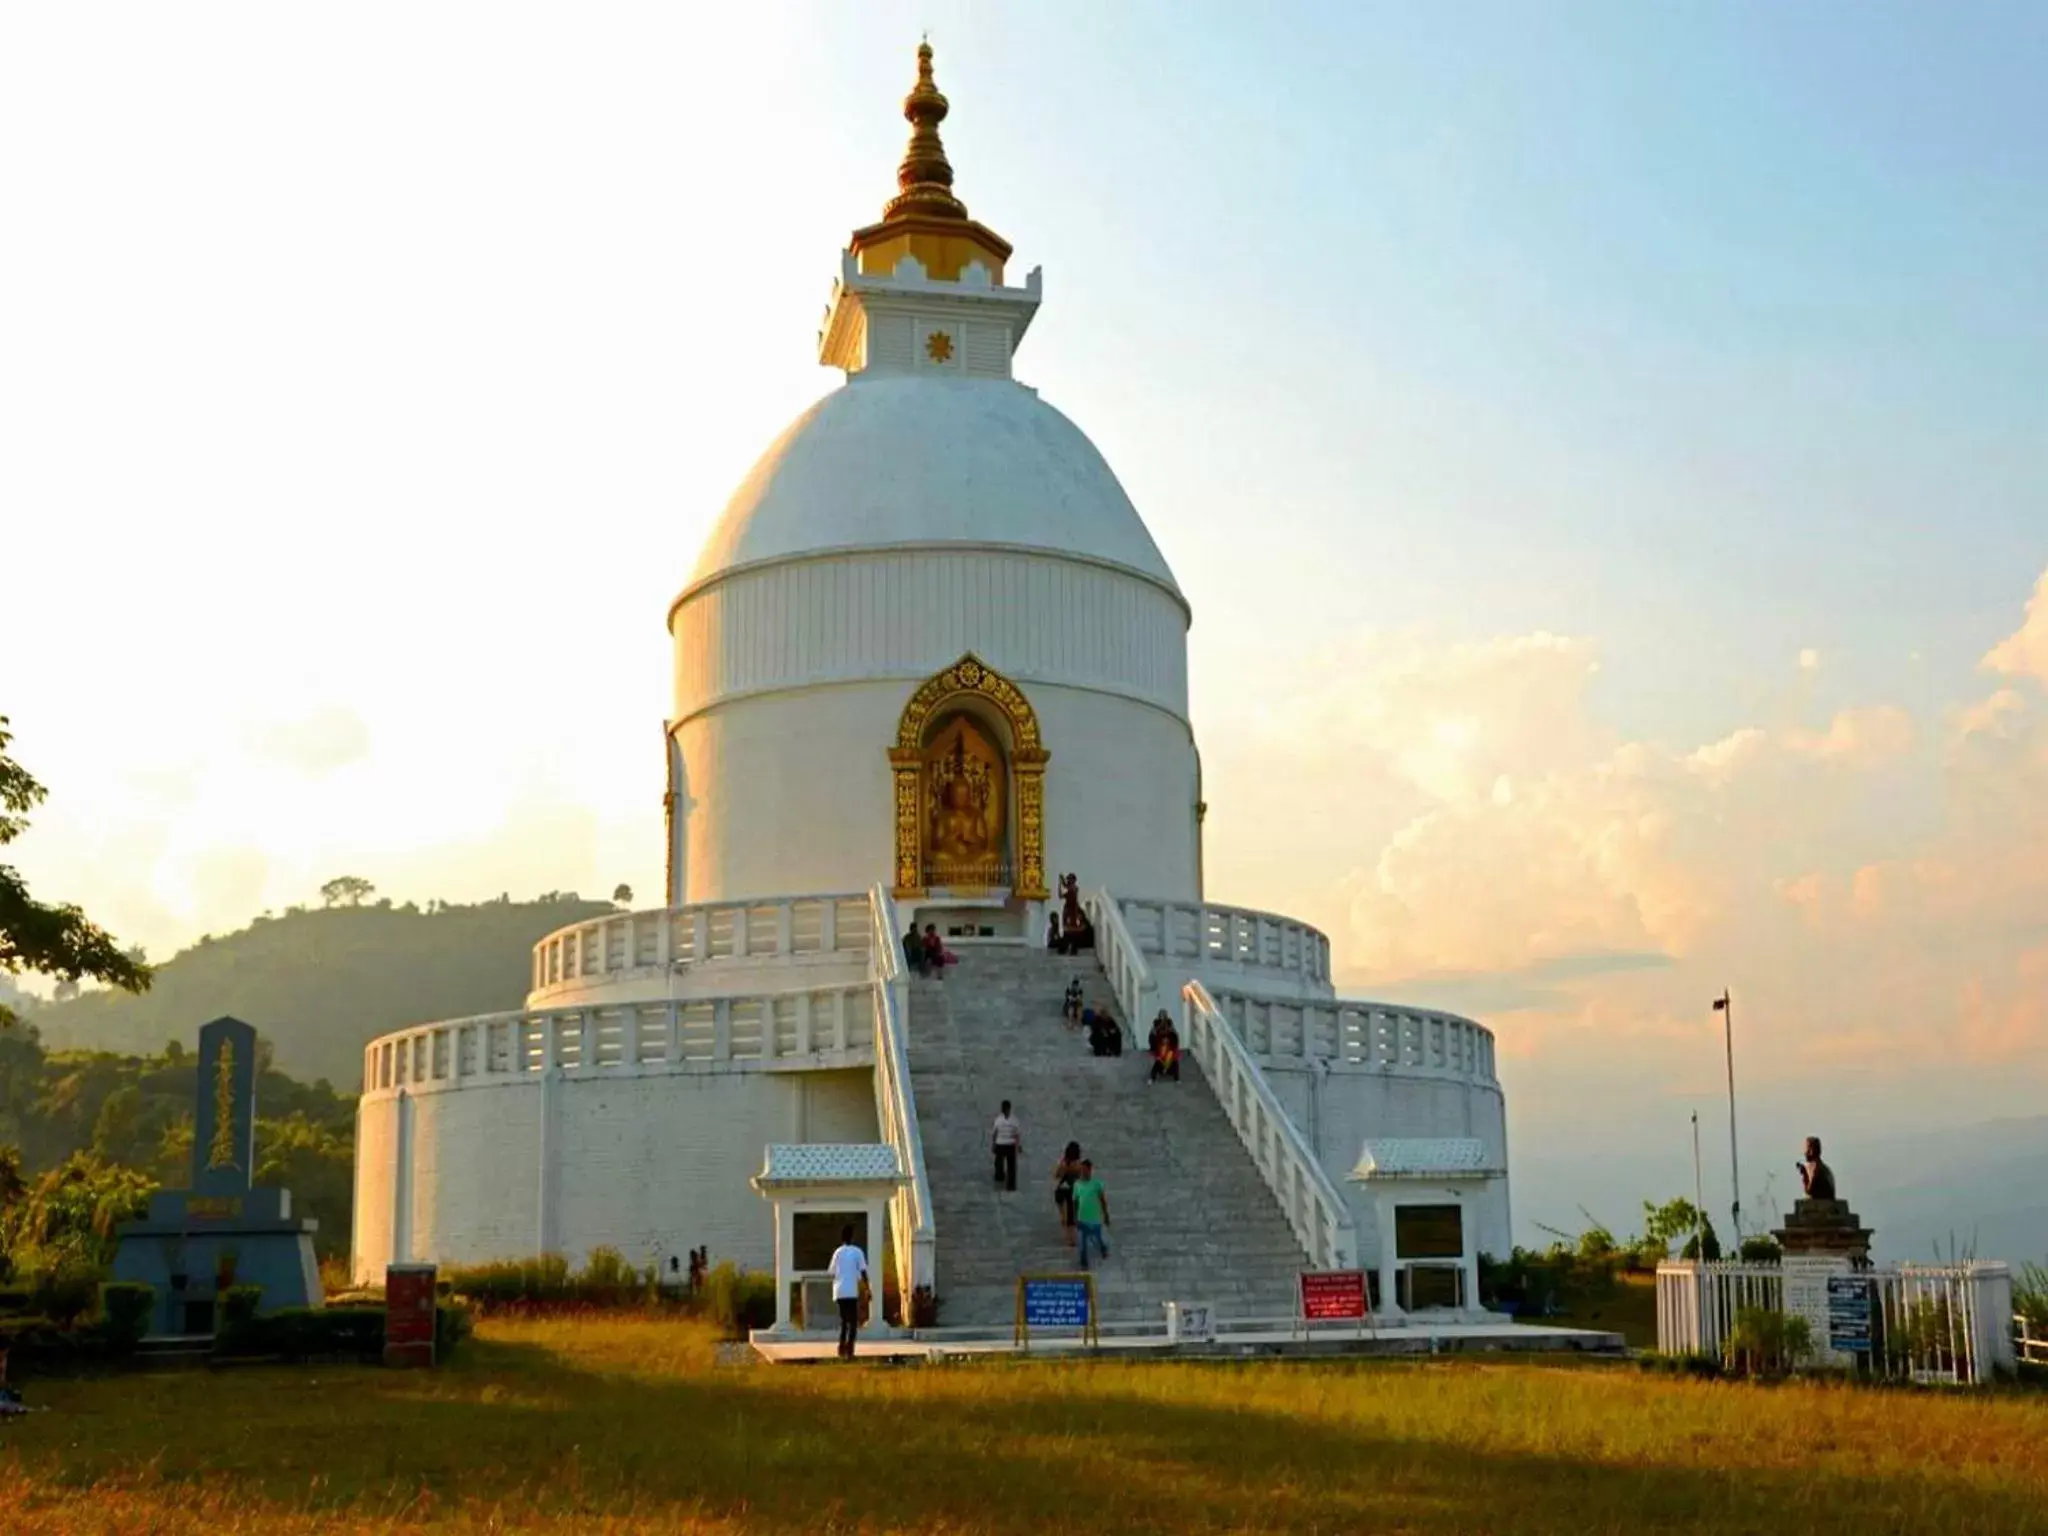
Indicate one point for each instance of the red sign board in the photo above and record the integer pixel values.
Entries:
(1333, 1295)
(409, 1314)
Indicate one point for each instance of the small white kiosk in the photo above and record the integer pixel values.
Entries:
(1423, 1190)
(816, 1189)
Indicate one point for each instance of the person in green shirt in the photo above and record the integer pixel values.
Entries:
(1091, 1211)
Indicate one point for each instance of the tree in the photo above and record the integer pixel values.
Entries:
(623, 895)
(347, 891)
(1675, 1219)
(59, 941)
(70, 1213)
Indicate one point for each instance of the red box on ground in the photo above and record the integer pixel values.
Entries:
(1333, 1295)
(409, 1314)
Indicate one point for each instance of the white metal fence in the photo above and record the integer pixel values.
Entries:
(2030, 1341)
(1928, 1322)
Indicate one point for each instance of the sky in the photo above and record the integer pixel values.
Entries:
(1605, 448)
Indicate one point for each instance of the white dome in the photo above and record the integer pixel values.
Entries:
(908, 460)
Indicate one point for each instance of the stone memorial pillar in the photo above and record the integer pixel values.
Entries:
(225, 1230)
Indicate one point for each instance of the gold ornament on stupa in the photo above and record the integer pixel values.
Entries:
(924, 219)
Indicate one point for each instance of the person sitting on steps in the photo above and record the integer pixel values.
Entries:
(1165, 1054)
(913, 949)
(936, 956)
(1105, 1035)
(1071, 1009)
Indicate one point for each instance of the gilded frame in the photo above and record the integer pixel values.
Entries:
(970, 676)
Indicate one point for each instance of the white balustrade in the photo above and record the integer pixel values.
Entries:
(1314, 1209)
(910, 1209)
(1121, 959)
(1212, 936)
(1378, 1037)
(826, 1027)
(624, 942)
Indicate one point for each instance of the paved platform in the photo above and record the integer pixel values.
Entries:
(1230, 1343)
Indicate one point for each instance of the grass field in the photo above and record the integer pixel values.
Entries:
(630, 1425)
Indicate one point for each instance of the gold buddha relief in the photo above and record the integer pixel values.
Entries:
(955, 785)
(965, 812)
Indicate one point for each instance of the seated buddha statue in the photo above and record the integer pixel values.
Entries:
(959, 826)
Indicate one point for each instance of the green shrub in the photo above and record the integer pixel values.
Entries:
(452, 1324)
(307, 1333)
(738, 1300)
(126, 1309)
(546, 1285)
(543, 1278)
(331, 1333)
(38, 1346)
(607, 1270)
(238, 1305)
(1761, 1250)
(1766, 1342)
(65, 1294)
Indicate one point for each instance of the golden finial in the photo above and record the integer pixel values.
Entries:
(925, 178)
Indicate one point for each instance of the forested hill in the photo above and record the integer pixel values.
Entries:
(319, 984)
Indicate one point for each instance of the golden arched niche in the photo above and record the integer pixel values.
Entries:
(969, 805)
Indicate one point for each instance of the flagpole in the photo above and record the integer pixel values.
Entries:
(1726, 1008)
(1699, 1196)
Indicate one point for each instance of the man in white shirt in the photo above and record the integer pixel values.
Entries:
(849, 1269)
(1006, 1140)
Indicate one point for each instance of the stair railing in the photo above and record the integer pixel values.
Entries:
(1311, 1203)
(910, 1208)
(1130, 978)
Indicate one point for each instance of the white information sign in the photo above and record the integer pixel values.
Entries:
(1806, 1295)
(1189, 1322)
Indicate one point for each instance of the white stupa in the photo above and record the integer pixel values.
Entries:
(928, 659)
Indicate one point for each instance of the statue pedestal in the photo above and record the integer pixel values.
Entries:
(1825, 1227)
(1825, 1244)
(1807, 1295)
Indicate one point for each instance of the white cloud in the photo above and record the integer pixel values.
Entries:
(2024, 653)
(315, 744)
(1865, 880)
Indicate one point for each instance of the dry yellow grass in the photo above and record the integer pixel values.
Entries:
(630, 1425)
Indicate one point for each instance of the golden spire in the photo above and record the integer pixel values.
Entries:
(924, 219)
(925, 178)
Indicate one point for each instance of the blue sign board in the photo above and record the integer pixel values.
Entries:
(1056, 1303)
(1849, 1314)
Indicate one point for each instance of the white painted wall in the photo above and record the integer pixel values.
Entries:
(1337, 1111)
(648, 1165)
(860, 616)
(792, 791)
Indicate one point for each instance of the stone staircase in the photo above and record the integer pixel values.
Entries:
(1190, 1217)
